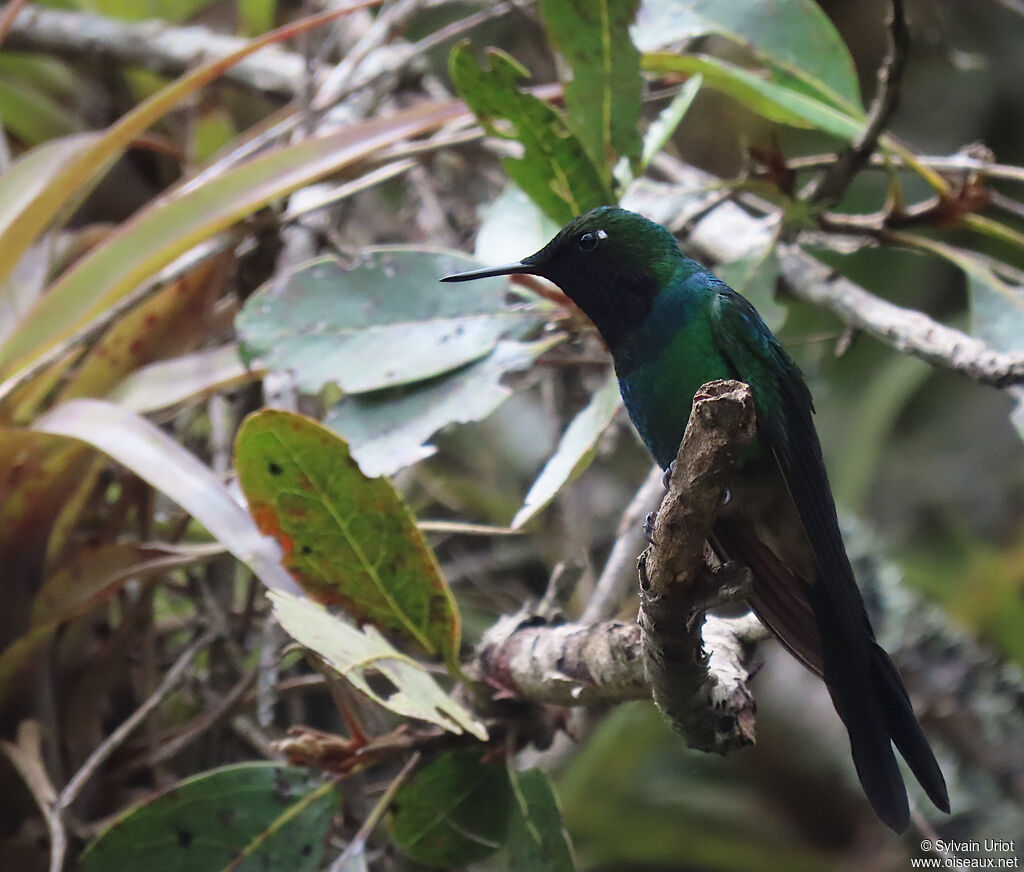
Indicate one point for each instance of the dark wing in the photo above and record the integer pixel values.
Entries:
(862, 681)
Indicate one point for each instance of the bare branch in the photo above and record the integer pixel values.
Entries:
(153, 45)
(704, 695)
(836, 180)
(906, 330)
(567, 665)
(713, 710)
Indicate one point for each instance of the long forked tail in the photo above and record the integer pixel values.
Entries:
(873, 704)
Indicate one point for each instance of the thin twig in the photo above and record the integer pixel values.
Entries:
(837, 179)
(358, 844)
(26, 755)
(958, 163)
(107, 747)
(906, 330)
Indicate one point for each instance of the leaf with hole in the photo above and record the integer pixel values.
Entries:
(347, 539)
(372, 665)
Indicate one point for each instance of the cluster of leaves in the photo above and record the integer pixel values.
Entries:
(129, 322)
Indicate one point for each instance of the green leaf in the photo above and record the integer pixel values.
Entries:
(157, 458)
(367, 660)
(174, 224)
(537, 840)
(388, 430)
(774, 101)
(665, 125)
(382, 322)
(755, 277)
(604, 96)
(453, 811)
(555, 169)
(32, 115)
(347, 539)
(792, 36)
(248, 817)
(575, 450)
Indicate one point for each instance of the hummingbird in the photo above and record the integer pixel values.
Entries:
(671, 326)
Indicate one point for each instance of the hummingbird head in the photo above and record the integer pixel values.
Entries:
(610, 262)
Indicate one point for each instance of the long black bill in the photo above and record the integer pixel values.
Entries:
(509, 269)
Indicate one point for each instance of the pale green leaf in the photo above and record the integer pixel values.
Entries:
(362, 656)
(575, 450)
(388, 430)
(382, 322)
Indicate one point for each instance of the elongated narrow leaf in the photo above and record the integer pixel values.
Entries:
(668, 120)
(604, 95)
(774, 101)
(367, 660)
(247, 817)
(97, 572)
(169, 322)
(794, 36)
(382, 322)
(173, 225)
(188, 378)
(388, 430)
(91, 156)
(537, 840)
(453, 811)
(575, 450)
(155, 457)
(555, 169)
(348, 539)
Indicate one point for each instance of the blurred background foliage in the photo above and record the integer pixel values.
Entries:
(157, 224)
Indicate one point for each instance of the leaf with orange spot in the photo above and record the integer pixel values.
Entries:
(348, 540)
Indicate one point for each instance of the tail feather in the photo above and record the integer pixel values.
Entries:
(875, 709)
(906, 731)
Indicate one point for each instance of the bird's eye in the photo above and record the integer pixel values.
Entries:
(588, 241)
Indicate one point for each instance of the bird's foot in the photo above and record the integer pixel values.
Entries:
(649, 527)
(667, 476)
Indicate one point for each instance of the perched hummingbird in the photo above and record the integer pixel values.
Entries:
(671, 326)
